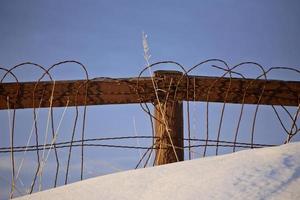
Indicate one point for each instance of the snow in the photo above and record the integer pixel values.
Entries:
(269, 173)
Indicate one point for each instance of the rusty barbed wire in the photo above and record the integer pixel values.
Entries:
(75, 142)
(12, 130)
(193, 144)
(47, 72)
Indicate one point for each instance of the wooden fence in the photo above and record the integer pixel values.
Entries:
(166, 90)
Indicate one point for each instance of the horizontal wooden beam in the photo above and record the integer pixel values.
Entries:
(102, 91)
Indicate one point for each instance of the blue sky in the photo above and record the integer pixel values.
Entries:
(106, 36)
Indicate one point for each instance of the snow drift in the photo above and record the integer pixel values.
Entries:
(269, 173)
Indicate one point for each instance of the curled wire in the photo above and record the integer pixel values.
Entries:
(170, 94)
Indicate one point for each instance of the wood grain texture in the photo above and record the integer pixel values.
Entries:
(168, 121)
(138, 90)
(169, 132)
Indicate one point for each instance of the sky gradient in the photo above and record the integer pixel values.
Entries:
(106, 36)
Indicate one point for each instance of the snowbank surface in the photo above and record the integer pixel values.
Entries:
(269, 173)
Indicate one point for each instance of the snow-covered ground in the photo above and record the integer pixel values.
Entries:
(269, 173)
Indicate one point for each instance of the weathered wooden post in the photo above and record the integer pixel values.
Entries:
(169, 120)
